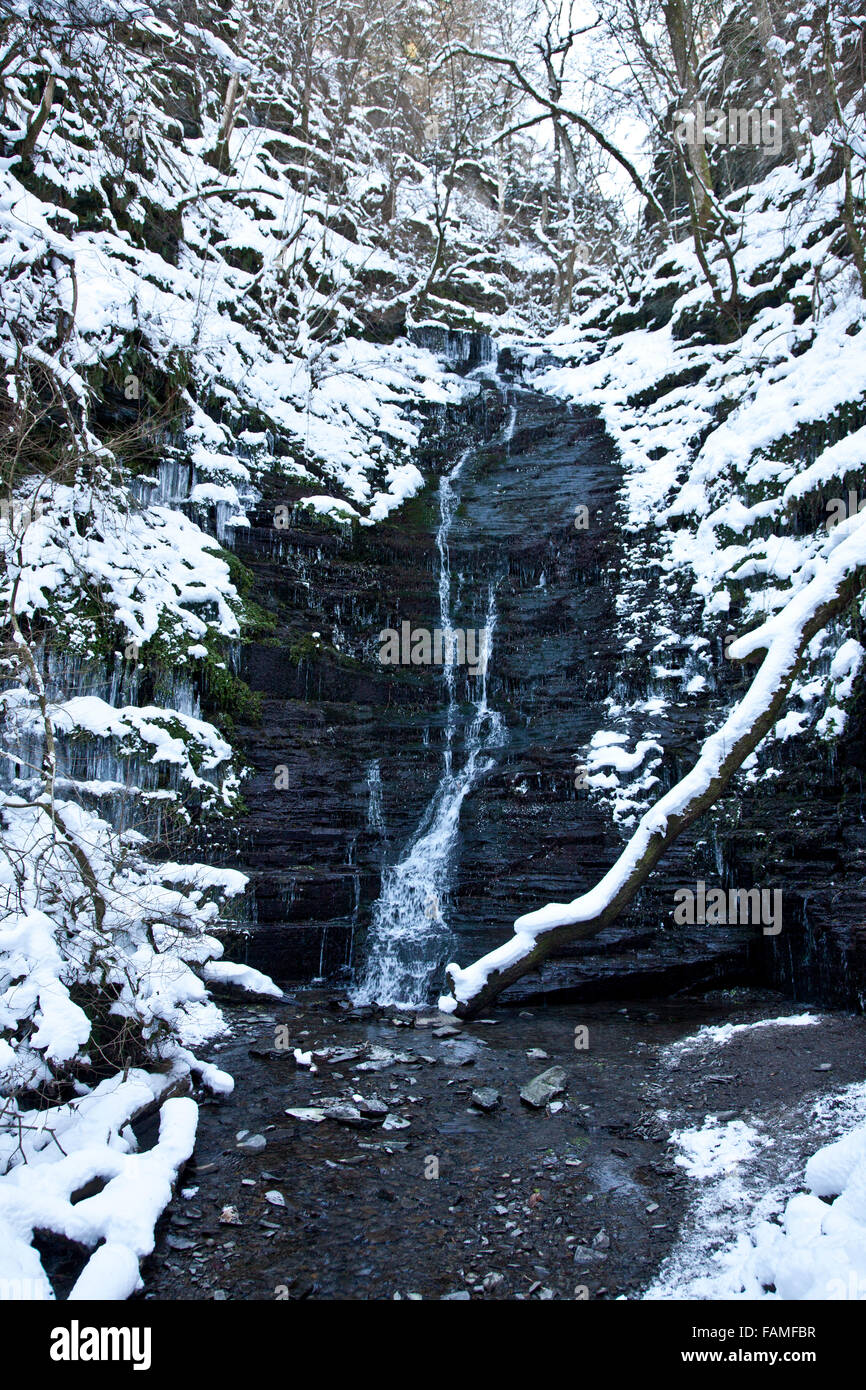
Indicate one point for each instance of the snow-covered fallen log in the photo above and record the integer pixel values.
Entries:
(83, 1179)
(781, 642)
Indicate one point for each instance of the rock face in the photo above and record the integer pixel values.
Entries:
(348, 752)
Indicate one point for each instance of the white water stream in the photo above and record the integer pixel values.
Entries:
(409, 940)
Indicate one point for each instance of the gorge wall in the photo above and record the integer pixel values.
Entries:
(347, 753)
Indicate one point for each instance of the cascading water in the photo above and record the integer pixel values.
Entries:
(409, 939)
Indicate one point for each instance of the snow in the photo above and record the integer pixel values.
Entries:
(753, 1239)
(96, 1143)
(770, 1216)
(718, 1034)
(714, 1148)
(226, 972)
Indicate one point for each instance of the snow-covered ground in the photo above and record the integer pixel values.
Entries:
(779, 1203)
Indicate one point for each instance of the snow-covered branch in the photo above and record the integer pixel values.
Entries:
(782, 640)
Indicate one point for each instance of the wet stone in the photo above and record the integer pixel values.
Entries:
(485, 1098)
(252, 1145)
(350, 1115)
(543, 1088)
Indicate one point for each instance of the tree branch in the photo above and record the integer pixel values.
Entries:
(563, 112)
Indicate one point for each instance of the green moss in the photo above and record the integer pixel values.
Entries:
(226, 698)
(305, 649)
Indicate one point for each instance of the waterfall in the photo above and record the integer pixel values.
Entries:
(409, 940)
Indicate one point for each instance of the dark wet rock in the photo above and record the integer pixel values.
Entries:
(543, 1088)
(374, 1108)
(485, 1098)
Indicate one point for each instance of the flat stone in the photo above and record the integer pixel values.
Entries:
(485, 1098)
(543, 1088)
(253, 1145)
(584, 1255)
(374, 1108)
(349, 1115)
(307, 1112)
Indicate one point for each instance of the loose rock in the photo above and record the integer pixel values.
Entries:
(543, 1088)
